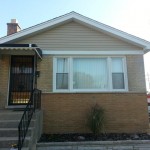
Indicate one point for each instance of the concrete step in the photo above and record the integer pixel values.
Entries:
(10, 115)
(9, 148)
(12, 132)
(9, 121)
(13, 123)
(6, 142)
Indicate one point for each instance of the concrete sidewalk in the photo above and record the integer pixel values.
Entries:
(96, 145)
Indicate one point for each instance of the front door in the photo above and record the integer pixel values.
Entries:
(21, 79)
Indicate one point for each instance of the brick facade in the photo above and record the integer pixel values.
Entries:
(136, 75)
(45, 81)
(66, 113)
(4, 79)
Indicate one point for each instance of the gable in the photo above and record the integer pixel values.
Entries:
(74, 36)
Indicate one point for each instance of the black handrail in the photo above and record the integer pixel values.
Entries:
(33, 104)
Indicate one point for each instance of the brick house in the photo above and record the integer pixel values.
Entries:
(76, 62)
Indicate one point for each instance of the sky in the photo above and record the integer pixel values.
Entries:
(131, 16)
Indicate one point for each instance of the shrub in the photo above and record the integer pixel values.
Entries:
(96, 119)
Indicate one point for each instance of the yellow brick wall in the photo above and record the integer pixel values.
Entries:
(45, 81)
(66, 113)
(4, 79)
(136, 73)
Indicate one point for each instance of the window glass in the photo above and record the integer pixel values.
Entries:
(90, 73)
(117, 73)
(118, 80)
(62, 65)
(62, 73)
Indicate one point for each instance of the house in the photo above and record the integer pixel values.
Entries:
(76, 62)
(148, 101)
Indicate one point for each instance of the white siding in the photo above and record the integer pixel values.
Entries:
(73, 36)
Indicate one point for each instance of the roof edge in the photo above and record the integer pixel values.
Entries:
(85, 20)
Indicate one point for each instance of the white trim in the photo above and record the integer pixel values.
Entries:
(125, 73)
(109, 72)
(54, 72)
(70, 73)
(70, 78)
(83, 20)
(123, 52)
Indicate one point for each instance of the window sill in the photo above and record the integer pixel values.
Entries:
(69, 92)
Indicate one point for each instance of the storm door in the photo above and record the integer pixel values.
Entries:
(21, 79)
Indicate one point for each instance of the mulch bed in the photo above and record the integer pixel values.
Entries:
(91, 137)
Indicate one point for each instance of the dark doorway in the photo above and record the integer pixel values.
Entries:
(21, 79)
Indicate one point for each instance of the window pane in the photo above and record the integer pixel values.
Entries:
(117, 73)
(62, 73)
(90, 73)
(62, 65)
(117, 65)
(118, 80)
(62, 81)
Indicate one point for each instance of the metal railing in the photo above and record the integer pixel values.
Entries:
(33, 104)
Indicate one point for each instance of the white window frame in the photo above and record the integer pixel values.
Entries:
(70, 75)
(124, 72)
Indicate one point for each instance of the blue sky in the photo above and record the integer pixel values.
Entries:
(122, 14)
(132, 16)
(31, 12)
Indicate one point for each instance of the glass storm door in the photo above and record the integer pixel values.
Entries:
(21, 79)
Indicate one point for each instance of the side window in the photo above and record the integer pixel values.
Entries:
(117, 73)
(62, 73)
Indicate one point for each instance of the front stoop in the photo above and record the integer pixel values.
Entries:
(97, 145)
(9, 121)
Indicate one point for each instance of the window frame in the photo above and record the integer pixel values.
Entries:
(124, 73)
(68, 72)
(70, 75)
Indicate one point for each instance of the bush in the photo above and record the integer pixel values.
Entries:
(96, 119)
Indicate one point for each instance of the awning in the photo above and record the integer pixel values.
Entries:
(18, 47)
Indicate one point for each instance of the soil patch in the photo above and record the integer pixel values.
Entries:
(90, 137)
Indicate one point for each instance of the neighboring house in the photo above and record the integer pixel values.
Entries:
(77, 62)
(148, 101)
